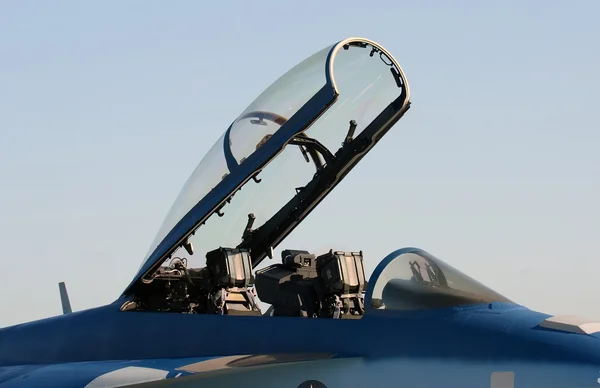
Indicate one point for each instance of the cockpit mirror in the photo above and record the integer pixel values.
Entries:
(259, 121)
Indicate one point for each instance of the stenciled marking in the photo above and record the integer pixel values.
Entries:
(502, 379)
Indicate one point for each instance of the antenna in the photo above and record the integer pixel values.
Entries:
(64, 298)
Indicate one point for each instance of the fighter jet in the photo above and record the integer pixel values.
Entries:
(194, 316)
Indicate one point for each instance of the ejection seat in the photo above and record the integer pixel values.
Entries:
(232, 273)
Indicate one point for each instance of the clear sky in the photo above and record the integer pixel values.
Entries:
(107, 107)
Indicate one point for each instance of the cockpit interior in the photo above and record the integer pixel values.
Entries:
(273, 165)
(331, 285)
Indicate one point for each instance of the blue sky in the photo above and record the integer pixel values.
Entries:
(106, 108)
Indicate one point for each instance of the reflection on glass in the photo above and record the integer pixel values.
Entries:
(419, 281)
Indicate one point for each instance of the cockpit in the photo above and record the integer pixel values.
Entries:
(330, 285)
(272, 166)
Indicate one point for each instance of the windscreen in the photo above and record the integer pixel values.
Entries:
(418, 281)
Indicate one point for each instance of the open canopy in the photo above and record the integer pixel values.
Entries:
(282, 155)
